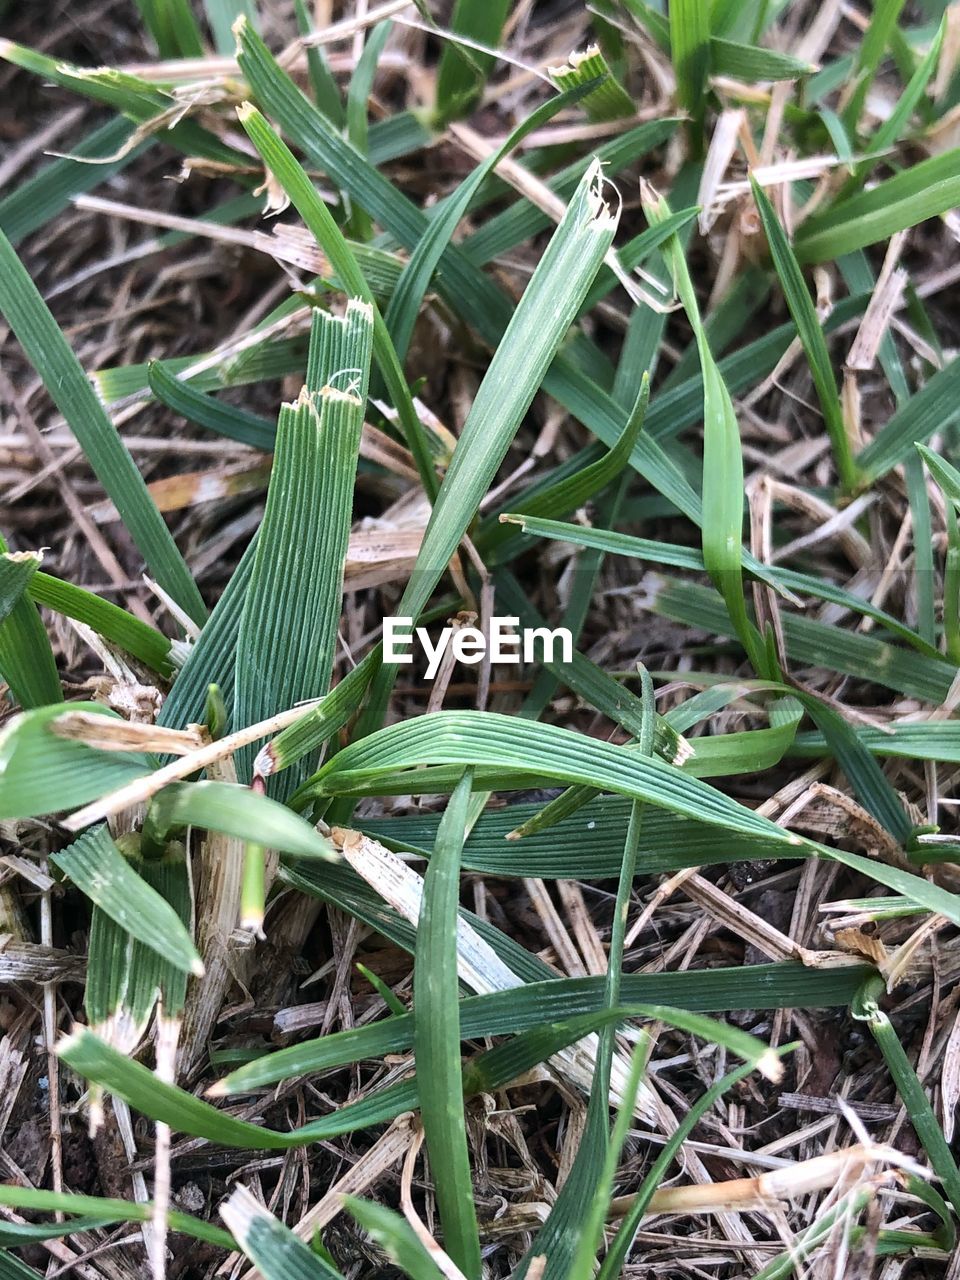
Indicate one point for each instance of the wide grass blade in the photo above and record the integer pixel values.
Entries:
(464, 69)
(27, 663)
(276, 1253)
(288, 631)
(97, 867)
(39, 769)
(236, 811)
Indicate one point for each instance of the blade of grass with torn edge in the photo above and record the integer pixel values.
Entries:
(283, 165)
(97, 867)
(288, 631)
(437, 1037)
(811, 336)
(471, 294)
(54, 360)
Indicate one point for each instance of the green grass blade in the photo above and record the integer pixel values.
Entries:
(690, 53)
(27, 663)
(173, 26)
(722, 461)
(97, 867)
(395, 1237)
(55, 362)
(281, 162)
(811, 336)
(236, 811)
(38, 767)
(463, 70)
(925, 190)
(107, 619)
(276, 1253)
(209, 412)
(31, 1199)
(750, 63)
(883, 23)
(437, 1038)
(929, 410)
(910, 1089)
(32, 204)
(607, 99)
(408, 296)
(544, 313)
(288, 633)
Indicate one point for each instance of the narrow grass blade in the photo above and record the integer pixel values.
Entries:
(310, 733)
(207, 411)
(811, 336)
(722, 460)
(33, 1199)
(910, 1089)
(98, 868)
(469, 738)
(55, 362)
(925, 190)
(883, 23)
(506, 1012)
(108, 620)
(395, 1237)
(437, 1038)
(281, 162)
(27, 663)
(415, 279)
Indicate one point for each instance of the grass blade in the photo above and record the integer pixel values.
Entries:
(98, 868)
(437, 1037)
(811, 336)
(288, 631)
(55, 362)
